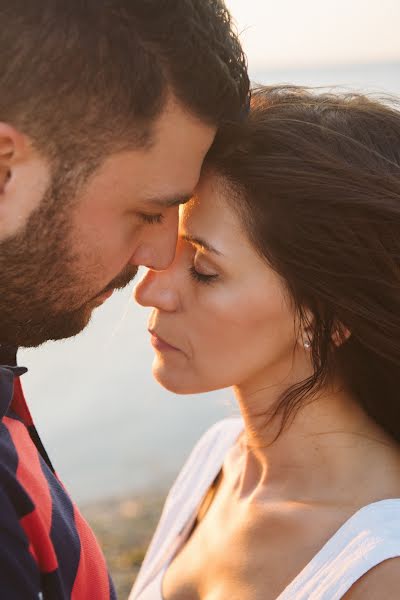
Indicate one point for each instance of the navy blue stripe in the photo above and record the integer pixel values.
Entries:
(6, 389)
(11, 414)
(113, 595)
(63, 533)
(8, 452)
(51, 586)
(19, 575)
(9, 459)
(7, 374)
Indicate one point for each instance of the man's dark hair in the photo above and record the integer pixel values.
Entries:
(82, 77)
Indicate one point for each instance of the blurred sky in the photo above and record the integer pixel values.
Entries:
(289, 33)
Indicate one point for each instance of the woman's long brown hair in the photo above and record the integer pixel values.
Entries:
(316, 181)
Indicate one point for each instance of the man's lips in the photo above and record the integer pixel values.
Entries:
(159, 343)
(118, 283)
(101, 298)
(106, 295)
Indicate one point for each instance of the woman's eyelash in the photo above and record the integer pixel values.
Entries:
(200, 276)
(152, 219)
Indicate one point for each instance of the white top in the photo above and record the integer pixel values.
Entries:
(369, 537)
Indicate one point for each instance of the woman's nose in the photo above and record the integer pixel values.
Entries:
(156, 289)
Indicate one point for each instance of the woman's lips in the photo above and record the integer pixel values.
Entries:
(160, 344)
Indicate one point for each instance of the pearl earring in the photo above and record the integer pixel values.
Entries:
(307, 344)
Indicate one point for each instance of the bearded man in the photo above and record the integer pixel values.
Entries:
(107, 109)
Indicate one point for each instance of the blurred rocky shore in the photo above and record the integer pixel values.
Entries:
(124, 527)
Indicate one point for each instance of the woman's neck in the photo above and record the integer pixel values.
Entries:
(324, 446)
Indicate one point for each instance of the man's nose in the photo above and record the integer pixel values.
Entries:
(157, 249)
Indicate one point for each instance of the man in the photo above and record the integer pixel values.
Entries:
(107, 109)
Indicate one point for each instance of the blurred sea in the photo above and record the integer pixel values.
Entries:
(108, 427)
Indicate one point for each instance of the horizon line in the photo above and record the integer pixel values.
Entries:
(321, 65)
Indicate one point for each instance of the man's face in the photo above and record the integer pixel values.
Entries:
(62, 251)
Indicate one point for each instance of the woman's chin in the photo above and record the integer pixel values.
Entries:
(179, 383)
(171, 384)
(174, 381)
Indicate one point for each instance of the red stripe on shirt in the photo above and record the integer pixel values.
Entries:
(19, 405)
(87, 578)
(37, 524)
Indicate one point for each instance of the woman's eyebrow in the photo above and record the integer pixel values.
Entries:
(196, 241)
(170, 201)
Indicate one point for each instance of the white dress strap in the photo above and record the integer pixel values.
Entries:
(369, 537)
(184, 499)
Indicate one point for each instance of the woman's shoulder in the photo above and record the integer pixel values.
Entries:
(382, 581)
(360, 561)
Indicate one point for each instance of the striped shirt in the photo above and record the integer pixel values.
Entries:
(47, 550)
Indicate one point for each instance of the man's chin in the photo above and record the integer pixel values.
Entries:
(59, 327)
(62, 325)
(40, 325)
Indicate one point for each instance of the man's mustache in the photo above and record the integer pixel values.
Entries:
(122, 280)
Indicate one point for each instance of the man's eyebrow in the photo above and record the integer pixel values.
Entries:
(170, 201)
(196, 241)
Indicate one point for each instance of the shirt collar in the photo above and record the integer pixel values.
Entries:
(8, 371)
(8, 355)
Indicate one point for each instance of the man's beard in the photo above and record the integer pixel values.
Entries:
(44, 292)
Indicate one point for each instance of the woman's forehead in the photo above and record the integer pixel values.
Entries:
(209, 210)
(210, 218)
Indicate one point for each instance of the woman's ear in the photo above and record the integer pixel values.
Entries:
(307, 329)
(340, 334)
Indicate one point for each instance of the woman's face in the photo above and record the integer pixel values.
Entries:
(221, 315)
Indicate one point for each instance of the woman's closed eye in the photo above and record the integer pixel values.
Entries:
(202, 277)
(201, 273)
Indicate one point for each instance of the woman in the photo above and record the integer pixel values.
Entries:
(286, 286)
